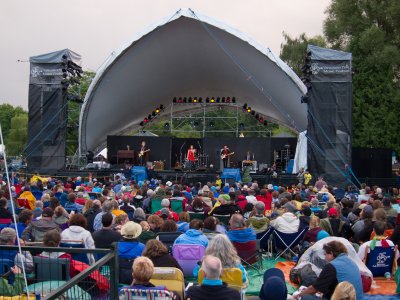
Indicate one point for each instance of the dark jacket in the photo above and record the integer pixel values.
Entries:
(227, 209)
(211, 292)
(165, 260)
(37, 229)
(90, 214)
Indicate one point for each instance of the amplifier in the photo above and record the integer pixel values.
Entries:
(159, 166)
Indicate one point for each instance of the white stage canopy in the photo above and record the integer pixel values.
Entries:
(187, 55)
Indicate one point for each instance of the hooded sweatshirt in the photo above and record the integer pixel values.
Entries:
(192, 237)
(78, 233)
(287, 223)
(37, 229)
(241, 235)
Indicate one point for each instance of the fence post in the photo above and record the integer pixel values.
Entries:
(114, 272)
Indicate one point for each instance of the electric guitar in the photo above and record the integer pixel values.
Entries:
(141, 153)
(223, 156)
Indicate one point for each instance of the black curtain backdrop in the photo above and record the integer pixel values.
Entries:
(372, 163)
(169, 149)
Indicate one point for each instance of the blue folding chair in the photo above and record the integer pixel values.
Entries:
(76, 256)
(380, 260)
(37, 194)
(285, 242)
(264, 237)
(5, 269)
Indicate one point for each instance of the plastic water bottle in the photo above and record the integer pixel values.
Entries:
(388, 275)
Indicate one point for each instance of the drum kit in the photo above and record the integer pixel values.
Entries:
(201, 162)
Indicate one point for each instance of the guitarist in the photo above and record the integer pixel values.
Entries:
(225, 156)
(143, 154)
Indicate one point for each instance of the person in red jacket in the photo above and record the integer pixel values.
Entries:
(266, 198)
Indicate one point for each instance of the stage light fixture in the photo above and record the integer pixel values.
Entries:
(64, 56)
(161, 106)
(305, 98)
(241, 126)
(257, 116)
(195, 123)
(207, 100)
(223, 99)
(149, 117)
(253, 112)
(245, 106)
(228, 100)
(145, 120)
(212, 100)
(180, 100)
(248, 109)
(141, 123)
(265, 122)
(218, 99)
(200, 100)
(190, 100)
(184, 99)
(157, 110)
(174, 100)
(233, 100)
(166, 125)
(261, 119)
(211, 124)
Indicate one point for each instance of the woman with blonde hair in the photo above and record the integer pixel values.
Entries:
(344, 291)
(88, 204)
(313, 230)
(220, 246)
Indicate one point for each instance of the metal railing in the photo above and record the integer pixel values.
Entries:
(98, 280)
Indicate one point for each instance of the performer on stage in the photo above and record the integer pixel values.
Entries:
(225, 156)
(143, 154)
(191, 157)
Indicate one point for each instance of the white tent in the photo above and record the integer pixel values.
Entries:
(187, 54)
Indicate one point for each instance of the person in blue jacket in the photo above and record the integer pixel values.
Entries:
(238, 231)
(194, 236)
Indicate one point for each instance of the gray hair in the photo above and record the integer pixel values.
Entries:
(237, 221)
(107, 206)
(260, 207)
(139, 214)
(7, 236)
(165, 202)
(221, 247)
(212, 267)
(39, 204)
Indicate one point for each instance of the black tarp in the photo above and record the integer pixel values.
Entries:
(329, 114)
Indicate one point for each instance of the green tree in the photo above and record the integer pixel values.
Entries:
(17, 135)
(293, 50)
(76, 92)
(7, 113)
(370, 29)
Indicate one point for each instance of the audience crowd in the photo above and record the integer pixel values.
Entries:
(100, 212)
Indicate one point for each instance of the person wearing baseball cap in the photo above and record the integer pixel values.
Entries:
(333, 224)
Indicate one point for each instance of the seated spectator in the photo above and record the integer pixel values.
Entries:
(88, 204)
(288, 222)
(106, 207)
(17, 288)
(183, 223)
(119, 222)
(274, 285)
(126, 206)
(210, 227)
(165, 209)
(194, 235)
(37, 228)
(128, 249)
(314, 228)
(333, 225)
(314, 207)
(142, 270)
(155, 223)
(91, 213)
(338, 269)
(198, 206)
(52, 238)
(5, 215)
(241, 201)
(379, 240)
(24, 218)
(169, 226)
(391, 213)
(116, 211)
(158, 253)
(61, 217)
(225, 207)
(80, 199)
(266, 198)
(258, 221)
(104, 237)
(362, 229)
(344, 291)
(305, 217)
(27, 194)
(77, 232)
(238, 231)
(37, 212)
(71, 205)
(212, 286)
(146, 234)
(248, 211)
(8, 237)
(139, 215)
(222, 248)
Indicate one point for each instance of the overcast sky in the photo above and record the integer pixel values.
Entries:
(94, 28)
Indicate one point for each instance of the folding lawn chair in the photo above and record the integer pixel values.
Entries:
(285, 242)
